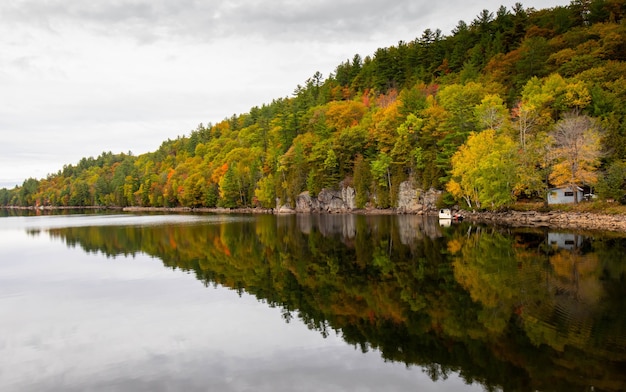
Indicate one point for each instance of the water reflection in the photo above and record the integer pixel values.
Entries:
(511, 309)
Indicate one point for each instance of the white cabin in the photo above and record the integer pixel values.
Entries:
(563, 195)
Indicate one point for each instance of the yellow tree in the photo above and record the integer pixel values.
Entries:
(525, 121)
(491, 112)
(484, 170)
(265, 191)
(344, 114)
(577, 152)
(385, 121)
(534, 142)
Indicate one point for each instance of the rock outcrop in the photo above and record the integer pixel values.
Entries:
(408, 198)
(411, 200)
(348, 195)
(328, 201)
(283, 208)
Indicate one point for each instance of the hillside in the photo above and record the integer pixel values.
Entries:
(510, 104)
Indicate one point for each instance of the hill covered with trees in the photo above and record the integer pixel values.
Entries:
(515, 102)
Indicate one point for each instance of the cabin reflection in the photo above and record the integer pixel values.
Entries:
(567, 241)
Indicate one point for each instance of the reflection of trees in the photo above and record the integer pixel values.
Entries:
(557, 295)
(582, 299)
(501, 277)
(478, 301)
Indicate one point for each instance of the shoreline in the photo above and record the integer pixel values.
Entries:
(221, 210)
(551, 219)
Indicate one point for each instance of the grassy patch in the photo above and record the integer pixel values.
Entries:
(597, 207)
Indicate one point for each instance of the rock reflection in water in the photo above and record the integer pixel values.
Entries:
(410, 227)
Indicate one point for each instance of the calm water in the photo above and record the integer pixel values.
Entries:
(306, 303)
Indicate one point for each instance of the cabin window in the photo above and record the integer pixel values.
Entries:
(569, 194)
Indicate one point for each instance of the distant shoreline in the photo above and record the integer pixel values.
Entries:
(56, 208)
(216, 210)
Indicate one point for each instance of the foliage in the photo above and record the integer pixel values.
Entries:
(484, 169)
(401, 113)
(613, 184)
(577, 152)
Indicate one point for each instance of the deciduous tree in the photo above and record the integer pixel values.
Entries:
(484, 169)
(577, 152)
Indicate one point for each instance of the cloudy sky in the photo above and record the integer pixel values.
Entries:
(81, 77)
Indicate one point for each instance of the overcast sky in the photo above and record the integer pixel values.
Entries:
(81, 77)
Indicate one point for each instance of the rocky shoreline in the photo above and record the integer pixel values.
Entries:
(552, 219)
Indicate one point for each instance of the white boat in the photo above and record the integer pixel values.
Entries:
(445, 213)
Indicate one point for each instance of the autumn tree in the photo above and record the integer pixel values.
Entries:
(460, 102)
(491, 113)
(525, 121)
(429, 136)
(404, 151)
(265, 191)
(577, 152)
(293, 169)
(362, 180)
(26, 194)
(533, 145)
(229, 189)
(381, 172)
(484, 170)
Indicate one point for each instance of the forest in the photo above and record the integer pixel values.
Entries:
(502, 109)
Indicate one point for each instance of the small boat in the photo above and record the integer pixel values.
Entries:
(446, 213)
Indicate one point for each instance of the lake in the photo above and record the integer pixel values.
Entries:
(155, 302)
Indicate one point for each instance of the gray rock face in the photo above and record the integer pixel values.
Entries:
(306, 203)
(429, 199)
(327, 201)
(348, 195)
(411, 200)
(408, 198)
(283, 208)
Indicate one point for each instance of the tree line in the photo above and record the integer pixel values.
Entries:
(505, 107)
